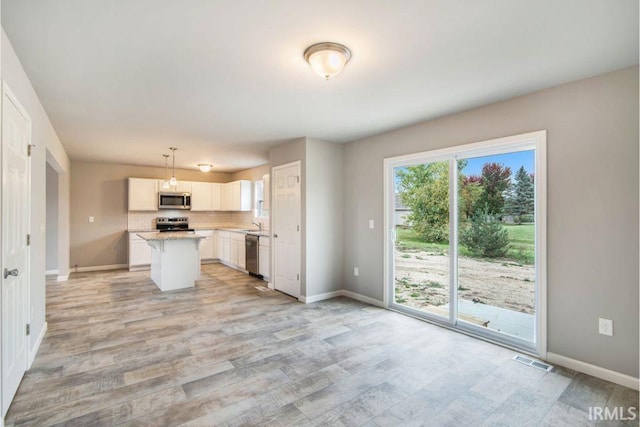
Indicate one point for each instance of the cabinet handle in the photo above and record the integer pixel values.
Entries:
(275, 236)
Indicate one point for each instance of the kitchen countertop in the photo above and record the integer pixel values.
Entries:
(234, 229)
(179, 235)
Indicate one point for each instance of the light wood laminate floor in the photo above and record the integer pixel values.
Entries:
(120, 352)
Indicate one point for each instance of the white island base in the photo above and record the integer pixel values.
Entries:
(175, 260)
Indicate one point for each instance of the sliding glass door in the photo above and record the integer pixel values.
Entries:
(466, 238)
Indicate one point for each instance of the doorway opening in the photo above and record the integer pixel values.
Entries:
(466, 239)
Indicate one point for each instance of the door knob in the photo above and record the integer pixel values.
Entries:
(275, 236)
(8, 273)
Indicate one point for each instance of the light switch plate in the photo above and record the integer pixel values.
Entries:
(371, 224)
(356, 272)
(605, 327)
(91, 219)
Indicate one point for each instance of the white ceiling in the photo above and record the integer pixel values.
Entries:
(225, 80)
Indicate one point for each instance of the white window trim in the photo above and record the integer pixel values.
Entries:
(533, 140)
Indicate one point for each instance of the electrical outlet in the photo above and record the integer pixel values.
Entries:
(356, 272)
(91, 219)
(605, 326)
(371, 224)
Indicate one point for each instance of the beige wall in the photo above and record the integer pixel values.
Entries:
(51, 252)
(324, 185)
(47, 145)
(592, 197)
(253, 174)
(101, 190)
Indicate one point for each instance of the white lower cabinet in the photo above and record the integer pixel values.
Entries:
(264, 257)
(231, 248)
(207, 245)
(139, 252)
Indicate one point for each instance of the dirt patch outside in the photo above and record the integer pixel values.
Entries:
(422, 280)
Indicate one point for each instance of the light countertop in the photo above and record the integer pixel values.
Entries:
(232, 228)
(177, 235)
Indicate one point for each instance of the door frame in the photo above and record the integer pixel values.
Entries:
(6, 91)
(272, 211)
(536, 140)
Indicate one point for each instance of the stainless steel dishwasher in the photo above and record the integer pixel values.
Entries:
(252, 247)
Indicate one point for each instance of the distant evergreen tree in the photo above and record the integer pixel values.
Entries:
(522, 200)
(485, 236)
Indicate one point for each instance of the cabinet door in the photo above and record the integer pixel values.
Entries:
(226, 197)
(214, 243)
(221, 254)
(216, 197)
(264, 260)
(226, 250)
(139, 252)
(242, 251)
(183, 187)
(246, 191)
(206, 244)
(234, 252)
(201, 196)
(235, 196)
(143, 194)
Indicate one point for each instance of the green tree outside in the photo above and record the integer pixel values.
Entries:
(424, 189)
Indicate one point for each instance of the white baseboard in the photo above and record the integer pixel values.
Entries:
(34, 351)
(320, 297)
(62, 278)
(99, 268)
(342, 293)
(270, 285)
(593, 370)
(362, 298)
(51, 272)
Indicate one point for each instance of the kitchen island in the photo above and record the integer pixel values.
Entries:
(175, 259)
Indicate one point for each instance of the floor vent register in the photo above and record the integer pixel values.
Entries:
(534, 363)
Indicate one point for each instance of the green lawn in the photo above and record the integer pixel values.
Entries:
(522, 238)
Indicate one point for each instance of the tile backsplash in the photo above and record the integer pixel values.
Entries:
(146, 220)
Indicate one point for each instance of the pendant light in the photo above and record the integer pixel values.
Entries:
(173, 181)
(205, 167)
(165, 183)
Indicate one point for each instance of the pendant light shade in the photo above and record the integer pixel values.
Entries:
(173, 181)
(204, 167)
(327, 59)
(165, 183)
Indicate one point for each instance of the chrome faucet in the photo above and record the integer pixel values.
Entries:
(258, 224)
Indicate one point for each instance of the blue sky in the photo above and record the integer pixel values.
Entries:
(512, 160)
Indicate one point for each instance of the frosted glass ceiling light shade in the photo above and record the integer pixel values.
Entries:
(327, 59)
(205, 167)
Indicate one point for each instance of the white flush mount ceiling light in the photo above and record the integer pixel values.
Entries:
(173, 181)
(165, 183)
(327, 59)
(204, 167)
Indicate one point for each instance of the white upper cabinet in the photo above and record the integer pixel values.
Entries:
(202, 196)
(182, 187)
(205, 196)
(143, 194)
(216, 196)
(225, 196)
(240, 195)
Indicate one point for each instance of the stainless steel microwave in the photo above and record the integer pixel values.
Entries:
(174, 201)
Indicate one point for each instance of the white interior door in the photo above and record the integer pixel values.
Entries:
(16, 135)
(286, 229)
